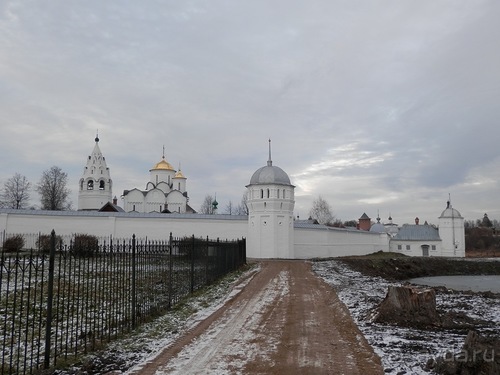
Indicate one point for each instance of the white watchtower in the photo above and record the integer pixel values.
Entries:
(270, 200)
(95, 188)
(452, 232)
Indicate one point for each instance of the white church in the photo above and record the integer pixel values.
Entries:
(270, 228)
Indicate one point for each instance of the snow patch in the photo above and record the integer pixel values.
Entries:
(404, 350)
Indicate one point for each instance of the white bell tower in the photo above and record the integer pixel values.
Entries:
(270, 200)
(95, 188)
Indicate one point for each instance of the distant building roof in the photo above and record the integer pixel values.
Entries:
(413, 232)
(111, 207)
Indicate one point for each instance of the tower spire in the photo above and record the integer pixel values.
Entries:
(163, 154)
(269, 161)
(97, 135)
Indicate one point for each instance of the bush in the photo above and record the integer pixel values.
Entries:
(43, 243)
(13, 244)
(85, 245)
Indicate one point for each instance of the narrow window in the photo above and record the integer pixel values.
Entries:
(179, 186)
(90, 185)
(284, 194)
(278, 193)
(262, 193)
(268, 193)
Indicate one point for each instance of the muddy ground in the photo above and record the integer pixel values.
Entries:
(394, 266)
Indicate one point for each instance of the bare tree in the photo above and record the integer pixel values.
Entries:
(207, 205)
(53, 191)
(242, 208)
(321, 211)
(15, 192)
(230, 208)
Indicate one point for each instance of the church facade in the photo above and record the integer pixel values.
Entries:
(165, 192)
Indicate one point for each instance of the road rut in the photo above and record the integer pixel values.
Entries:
(285, 320)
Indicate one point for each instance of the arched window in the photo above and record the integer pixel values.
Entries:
(262, 193)
(278, 193)
(268, 193)
(283, 193)
(101, 185)
(81, 184)
(90, 185)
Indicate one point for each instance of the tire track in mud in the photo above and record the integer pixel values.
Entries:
(285, 320)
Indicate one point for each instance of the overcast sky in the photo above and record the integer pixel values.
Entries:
(377, 106)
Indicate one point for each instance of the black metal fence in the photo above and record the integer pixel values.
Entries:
(64, 296)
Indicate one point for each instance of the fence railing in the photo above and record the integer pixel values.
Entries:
(64, 296)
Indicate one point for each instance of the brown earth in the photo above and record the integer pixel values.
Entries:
(395, 266)
(285, 320)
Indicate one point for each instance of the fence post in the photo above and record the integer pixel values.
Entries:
(170, 266)
(134, 296)
(50, 297)
(192, 264)
(208, 279)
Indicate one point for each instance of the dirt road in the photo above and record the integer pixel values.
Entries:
(284, 321)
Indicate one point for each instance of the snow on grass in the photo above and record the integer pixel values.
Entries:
(143, 345)
(404, 350)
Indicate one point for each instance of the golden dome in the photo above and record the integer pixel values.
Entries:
(164, 165)
(179, 174)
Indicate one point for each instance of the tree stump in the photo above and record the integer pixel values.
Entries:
(409, 307)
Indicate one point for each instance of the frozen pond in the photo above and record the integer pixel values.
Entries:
(477, 283)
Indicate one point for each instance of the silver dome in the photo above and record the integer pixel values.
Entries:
(270, 175)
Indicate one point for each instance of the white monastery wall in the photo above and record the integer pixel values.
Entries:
(308, 243)
(123, 225)
(334, 242)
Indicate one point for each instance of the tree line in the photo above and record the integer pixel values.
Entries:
(52, 188)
